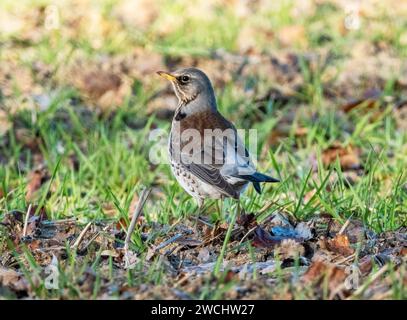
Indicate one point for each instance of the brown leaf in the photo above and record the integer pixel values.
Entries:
(109, 253)
(35, 180)
(249, 37)
(230, 276)
(308, 196)
(301, 131)
(103, 88)
(28, 139)
(320, 269)
(139, 14)
(366, 265)
(292, 35)
(369, 101)
(121, 224)
(355, 231)
(340, 244)
(109, 210)
(348, 156)
(14, 280)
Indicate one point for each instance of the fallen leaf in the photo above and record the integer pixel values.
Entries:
(28, 139)
(355, 231)
(348, 156)
(340, 244)
(35, 180)
(230, 276)
(366, 265)
(319, 270)
(308, 196)
(104, 88)
(368, 101)
(109, 253)
(301, 131)
(139, 14)
(292, 35)
(204, 255)
(12, 279)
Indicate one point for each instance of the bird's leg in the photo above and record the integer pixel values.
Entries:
(201, 209)
(219, 207)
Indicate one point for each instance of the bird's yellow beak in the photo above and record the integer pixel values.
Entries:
(166, 75)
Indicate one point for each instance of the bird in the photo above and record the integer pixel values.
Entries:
(207, 156)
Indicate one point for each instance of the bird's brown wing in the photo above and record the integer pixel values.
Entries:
(212, 176)
(197, 164)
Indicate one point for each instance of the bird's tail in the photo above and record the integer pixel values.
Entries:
(256, 178)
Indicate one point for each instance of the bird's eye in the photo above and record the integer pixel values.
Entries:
(184, 79)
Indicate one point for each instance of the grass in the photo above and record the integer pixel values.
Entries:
(97, 163)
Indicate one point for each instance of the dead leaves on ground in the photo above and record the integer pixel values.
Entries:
(348, 156)
(36, 179)
(340, 244)
(320, 272)
(324, 249)
(103, 88)
(13, 280)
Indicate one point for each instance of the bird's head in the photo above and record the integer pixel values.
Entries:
(192, 87)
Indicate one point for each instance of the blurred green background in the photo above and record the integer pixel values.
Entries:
(324, 83)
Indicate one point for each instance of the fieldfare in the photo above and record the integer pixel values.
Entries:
(208, 158)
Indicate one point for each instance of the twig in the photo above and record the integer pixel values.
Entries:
(246, 235)
(183, 279)
(143, 197)
(57, 222)
(345, 225)
(346, 259)
(369, 281)
(168, 242)
(81, 235)
(163, 245)
(95, 236)
(205, 222)
(26, 220)
(266, 207)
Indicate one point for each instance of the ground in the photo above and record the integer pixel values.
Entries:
(323, 83)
